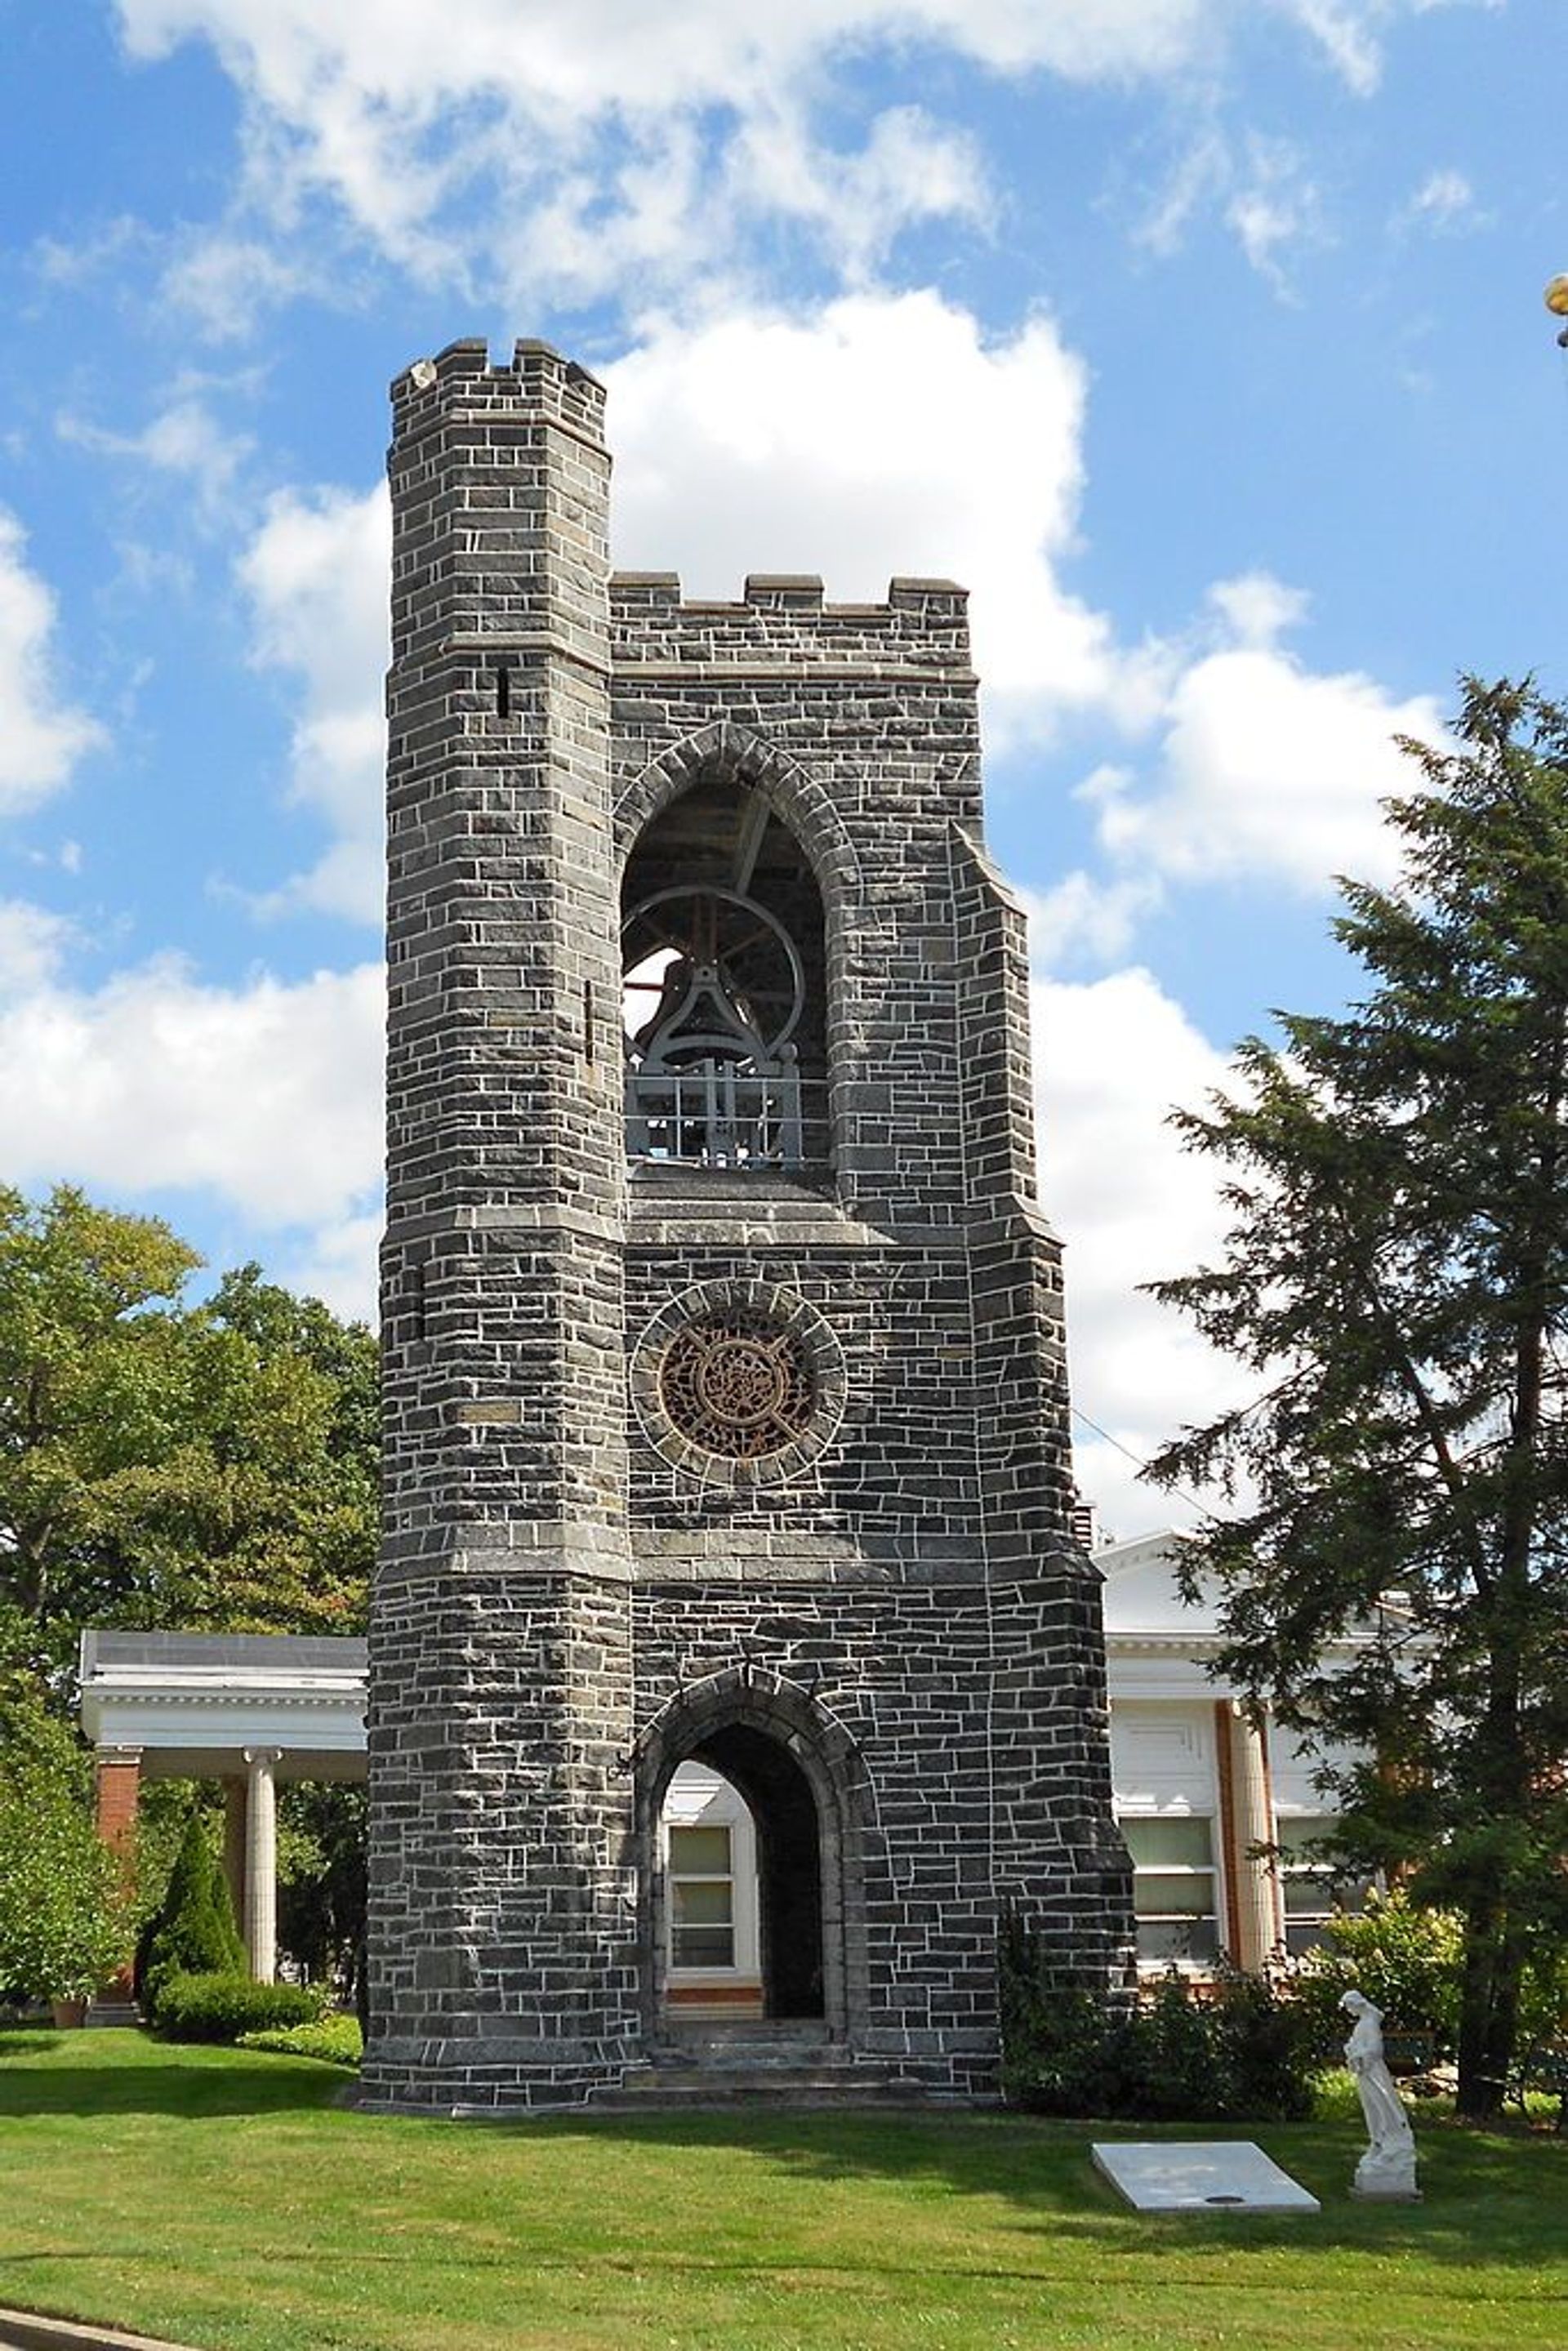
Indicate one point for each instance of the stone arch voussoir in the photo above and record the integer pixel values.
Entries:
(766, 1701)
(829, 1759)
(735, 754)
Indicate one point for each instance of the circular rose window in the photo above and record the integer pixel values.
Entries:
(737, 1385)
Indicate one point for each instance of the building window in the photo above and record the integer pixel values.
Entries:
(702, 1898)
(1314, 1890)
(1174, 1890)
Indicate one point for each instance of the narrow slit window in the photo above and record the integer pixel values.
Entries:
(502, 692)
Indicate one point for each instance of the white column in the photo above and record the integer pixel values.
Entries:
(261, 1862)
(1255, 1880)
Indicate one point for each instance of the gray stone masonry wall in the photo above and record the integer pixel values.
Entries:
(568, 1601)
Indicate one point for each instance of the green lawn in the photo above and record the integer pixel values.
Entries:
(218, 2197)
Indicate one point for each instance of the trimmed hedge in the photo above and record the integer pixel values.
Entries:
(335, 2040)
(222, 2007)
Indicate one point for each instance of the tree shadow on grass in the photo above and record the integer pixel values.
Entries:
(1486, 2198)
(1490, 2199)
(155, 2078)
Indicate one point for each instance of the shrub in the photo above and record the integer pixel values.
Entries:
(1243, 2051)
(220, 2006)
(1408, 1962)
(337, 2041)
(64, 1923)
(193, 1932)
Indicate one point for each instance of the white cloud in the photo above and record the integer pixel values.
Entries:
(1347, 31)
(1256, 608)
(1445, 202)
(1273, 207)
(1198, 177)
(1082, 919)
(341, 1262)
(226, 281)
(32, 943)
(1111, 1059)
(883, 436)
(910, 169)
(1268, 771)
(1259, 188)
(110, 247)
(185, 440)
(316, 575)
(42, 736)
(267, 1095)
(576, 145)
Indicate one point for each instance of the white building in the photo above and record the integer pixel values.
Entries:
(1199, 1785)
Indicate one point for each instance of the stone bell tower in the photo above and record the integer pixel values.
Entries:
(727, 1418)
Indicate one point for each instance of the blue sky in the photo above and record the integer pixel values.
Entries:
(1203, 339)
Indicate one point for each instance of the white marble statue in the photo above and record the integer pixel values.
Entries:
(1388, 2167)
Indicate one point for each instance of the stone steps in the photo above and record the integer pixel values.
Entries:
(849, 2092)
(759, 2066)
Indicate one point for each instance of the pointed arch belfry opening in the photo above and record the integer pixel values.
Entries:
(728, 754)
(805, 1786)
(735, 871)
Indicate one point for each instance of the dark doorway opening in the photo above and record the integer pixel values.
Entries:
(789, 1865)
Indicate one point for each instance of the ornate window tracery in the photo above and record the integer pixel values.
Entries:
(738, 1384)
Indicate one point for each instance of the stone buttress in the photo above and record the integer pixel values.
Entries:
(726, 1414)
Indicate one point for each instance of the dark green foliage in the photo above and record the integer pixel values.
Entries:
(65, 1919)
(1408, 1962)
(220, 2006)
(194, 1933)
(1244, 2052)
(1395, 1563)
(321, 1877)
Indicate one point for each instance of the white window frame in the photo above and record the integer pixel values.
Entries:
(1347, 1897)
(691, 1804)
(1190, 1962)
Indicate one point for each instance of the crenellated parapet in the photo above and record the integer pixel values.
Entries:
(536, 380)
(785, 619)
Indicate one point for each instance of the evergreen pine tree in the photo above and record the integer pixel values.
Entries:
(1395, 1276)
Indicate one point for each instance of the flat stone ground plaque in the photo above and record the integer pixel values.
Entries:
(1199, 2176)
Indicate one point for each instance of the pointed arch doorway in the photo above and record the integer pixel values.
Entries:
(752, 1830)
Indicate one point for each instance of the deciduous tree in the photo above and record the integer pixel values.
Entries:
(162, 1464)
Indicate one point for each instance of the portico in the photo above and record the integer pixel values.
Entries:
(248, 1710)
